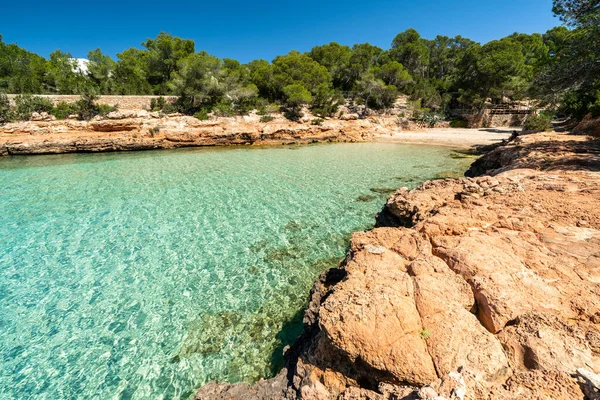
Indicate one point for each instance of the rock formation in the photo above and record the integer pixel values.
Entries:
(476, 288)
(141, 130)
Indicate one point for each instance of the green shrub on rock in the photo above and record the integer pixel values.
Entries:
(86, 107)
(62, 110)
(26, 104)
(105, 109)
(202, 115)
(5, 110)
(157, 104)
(539, 122)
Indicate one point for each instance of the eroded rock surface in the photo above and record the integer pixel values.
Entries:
(130, 130)
(482, 288)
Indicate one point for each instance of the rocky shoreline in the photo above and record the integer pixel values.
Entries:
(141, 130)
(484, 287)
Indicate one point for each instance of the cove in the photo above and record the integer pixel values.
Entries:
(145, 275)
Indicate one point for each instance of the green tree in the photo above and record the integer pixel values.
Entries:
(326, 101)
(235, 87)
(496, 70)
(196, 81)
(570, 75)
(410, 50)
(100, 70)
(21, 71)
(374, 93)
(261, 74)
(445, 57)
(164, 53)
(393, 73)
(295, 96)
(335, 58)
(130, 76)
(299, 69)
(577, 12)
(63, 74)
(364, 57)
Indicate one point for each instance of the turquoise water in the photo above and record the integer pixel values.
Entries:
(145, 275)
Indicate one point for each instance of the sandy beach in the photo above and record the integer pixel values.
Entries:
(456, 137)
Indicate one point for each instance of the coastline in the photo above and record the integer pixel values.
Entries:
(513, 252)
(130, 131)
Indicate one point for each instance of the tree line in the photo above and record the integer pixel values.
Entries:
(561, 68)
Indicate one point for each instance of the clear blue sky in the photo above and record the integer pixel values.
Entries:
(247, 30)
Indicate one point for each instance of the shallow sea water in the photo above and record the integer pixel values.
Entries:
(145, 275)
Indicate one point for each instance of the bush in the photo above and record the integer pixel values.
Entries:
(63, 109)
(594, 107)
(86, 107)
(539, 122)
(427, 117)
(326, 102)
(223, 109)
(202, 115)
(170, 108)
(459, 123)
(164, 106)
(105, 109)
(26, 104)
(293, 114)
(5, 111)
(157, 104)
(296, 96)
(317, 121)
(154, 130)
(264, 108)
(266, 118)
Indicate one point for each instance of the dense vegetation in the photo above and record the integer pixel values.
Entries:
(560, 67)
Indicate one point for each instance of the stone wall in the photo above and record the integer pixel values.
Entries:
(491, 118)
(123, 102)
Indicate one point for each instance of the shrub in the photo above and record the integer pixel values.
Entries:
(164, 106)
(153, 131)
(539, 122)
(26, 104)
(425, 334)
(86, 107)
(5, 111)
(223, 109)
(105, 109)
(317, 121)
(594, 107)
(459, 123)
(266, 118)
(157, 104)
(326, 102)
(170, 108)
(293, 114)
(202, 115)
(428, 117)
(63, 109)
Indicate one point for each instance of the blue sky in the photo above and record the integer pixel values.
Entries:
(247, 30)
